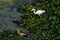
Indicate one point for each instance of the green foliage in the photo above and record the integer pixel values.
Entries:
(44, 27)
(25, 8)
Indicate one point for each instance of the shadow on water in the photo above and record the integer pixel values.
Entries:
(16, 22)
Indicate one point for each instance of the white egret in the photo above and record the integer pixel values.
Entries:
(38, 11)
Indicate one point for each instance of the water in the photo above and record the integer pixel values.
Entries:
(9, 13)
(7, 16)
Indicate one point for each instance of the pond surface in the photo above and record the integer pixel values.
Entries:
(9, 13)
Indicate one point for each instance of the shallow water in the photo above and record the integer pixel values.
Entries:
(9, 13)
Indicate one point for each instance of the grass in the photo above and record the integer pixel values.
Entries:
(44, 27)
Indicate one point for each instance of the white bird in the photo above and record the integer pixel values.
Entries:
(38, 11)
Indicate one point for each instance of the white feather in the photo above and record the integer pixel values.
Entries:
(38, 11)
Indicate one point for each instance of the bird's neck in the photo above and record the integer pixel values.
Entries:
(34, 11)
